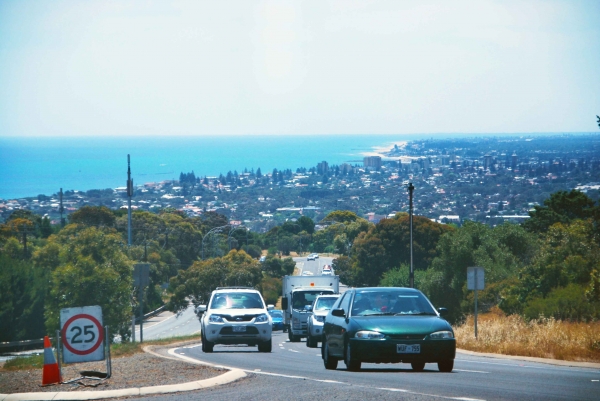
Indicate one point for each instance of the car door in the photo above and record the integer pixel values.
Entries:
(338, 325)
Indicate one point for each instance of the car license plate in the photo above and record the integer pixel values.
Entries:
(239, 329)
(408, 348)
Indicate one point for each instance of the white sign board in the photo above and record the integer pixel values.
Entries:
(475, 278)
(82, 334)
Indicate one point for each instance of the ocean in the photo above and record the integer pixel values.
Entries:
(33, 166)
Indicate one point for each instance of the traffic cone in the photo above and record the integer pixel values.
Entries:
(51, 373)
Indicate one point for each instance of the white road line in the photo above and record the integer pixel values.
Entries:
(469, 371)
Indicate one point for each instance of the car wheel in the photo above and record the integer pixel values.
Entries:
(417, 366)
(293, 338)
(265, 346)
(207, 346)
(329, 362)
(352, 364)
(446, 366)
(312, 342)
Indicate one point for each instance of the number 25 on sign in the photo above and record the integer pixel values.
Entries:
(82, 334)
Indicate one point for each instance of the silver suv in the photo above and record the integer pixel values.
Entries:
(236, 315)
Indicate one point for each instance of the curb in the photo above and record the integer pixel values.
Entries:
(556, 362)
(225, 378)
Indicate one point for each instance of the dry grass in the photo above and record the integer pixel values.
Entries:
(544, 338)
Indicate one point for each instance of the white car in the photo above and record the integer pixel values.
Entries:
(310, 257)
(316, 321)
(236, 315)
(326, 271)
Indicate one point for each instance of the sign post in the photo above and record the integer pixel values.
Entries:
(475, 281)
(141, 279)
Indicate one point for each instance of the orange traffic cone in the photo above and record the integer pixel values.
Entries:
(51, 373)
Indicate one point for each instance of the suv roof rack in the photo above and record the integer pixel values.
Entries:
(235, 288)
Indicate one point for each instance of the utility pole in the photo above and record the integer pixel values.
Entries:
(129, 195)
(411, 276)
(61, 209)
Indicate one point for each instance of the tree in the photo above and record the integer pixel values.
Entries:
(387, 245)
(22, 294)
(93, 270)
(562, 207)
(97, 216)
(568, 255)
(306, 224)
(501, 251)
(341, 216)
(195, 284)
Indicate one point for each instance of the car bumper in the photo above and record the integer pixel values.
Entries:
(382, 351)
(225, 334)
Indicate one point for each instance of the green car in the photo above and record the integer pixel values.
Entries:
(387, 325)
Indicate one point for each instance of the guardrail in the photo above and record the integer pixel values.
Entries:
(25, 345)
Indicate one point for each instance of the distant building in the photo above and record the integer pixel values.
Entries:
(322, 168)
(372, 162)
(345, 168)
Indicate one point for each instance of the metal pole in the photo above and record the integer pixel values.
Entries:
(141, 313)
(129, 195)
(475, 303)
(411, 276)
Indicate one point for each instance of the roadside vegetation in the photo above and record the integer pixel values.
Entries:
(543, 337)
(546, 267)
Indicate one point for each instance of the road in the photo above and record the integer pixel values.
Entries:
(473, 378)
(293, 371)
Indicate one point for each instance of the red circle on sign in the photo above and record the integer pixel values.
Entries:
(100, 334)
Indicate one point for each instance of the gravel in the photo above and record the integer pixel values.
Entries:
(138, 370)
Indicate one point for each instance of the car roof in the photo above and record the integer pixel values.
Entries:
(222, 290)
(373, 289)
(328, 296)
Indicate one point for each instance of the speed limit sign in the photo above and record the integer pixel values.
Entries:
(82, 334)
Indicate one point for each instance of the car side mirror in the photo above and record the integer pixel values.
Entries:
(442, 311)
(308, 308)
(284, 303)
(200, 309)
(338, 312)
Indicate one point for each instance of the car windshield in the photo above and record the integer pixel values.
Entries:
(391, 302)
(237, 300)
(301, 299)
(276, 313)
(325, 303)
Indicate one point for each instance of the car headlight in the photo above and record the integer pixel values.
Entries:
(439, 335)
(262, 318)
(369, 335)
(319, 318)
(215, 319)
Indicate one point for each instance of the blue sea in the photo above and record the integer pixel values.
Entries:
(33, 166)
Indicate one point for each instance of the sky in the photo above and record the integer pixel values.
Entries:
(139, 68)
